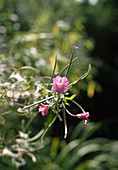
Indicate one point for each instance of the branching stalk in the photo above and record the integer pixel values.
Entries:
(48, 128)
(78, 106)
(26, 107)
(82, 77)
(54, 119)
(70, 62)
(68, 65)
(67, 110)
(52, 72)
(29, 122)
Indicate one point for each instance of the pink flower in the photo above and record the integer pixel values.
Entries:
(43, 109)
(60, 84)
(83, 116)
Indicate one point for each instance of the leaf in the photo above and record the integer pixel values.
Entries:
(71, 98)
(65, 101)
(26, 88)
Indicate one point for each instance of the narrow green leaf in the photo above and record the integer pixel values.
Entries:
(71, 98)
(26, 88)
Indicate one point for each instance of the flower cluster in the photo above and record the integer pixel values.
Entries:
(60, 85)
(55, 99)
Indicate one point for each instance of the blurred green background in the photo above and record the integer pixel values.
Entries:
(37, 30)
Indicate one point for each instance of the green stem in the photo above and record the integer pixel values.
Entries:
(54, 119)
(73, 50)
(48, 128)
(60, 118)
(78, 106)
(35, 137)
(82, 77)
(53, 71)
(65, 123)
(29, 122)
(67, 110)
(68, 65)
(36, 103)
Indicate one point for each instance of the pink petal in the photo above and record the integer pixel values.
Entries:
(65, 81)
(54, 87)
(42, 105)
(57, 80)
(65, 89)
